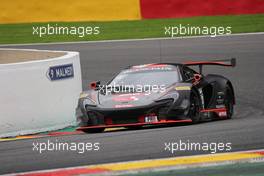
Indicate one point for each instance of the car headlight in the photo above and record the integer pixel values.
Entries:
(88, 102)
(172, 95)
(83, 95)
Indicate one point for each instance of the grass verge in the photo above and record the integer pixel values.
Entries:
(22, 33)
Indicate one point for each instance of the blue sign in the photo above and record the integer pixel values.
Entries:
(60, 72)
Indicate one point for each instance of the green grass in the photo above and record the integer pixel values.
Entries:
(22, 33)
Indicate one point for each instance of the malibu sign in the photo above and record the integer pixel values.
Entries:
(60, 72)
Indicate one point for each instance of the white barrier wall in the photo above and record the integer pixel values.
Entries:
(38, 95)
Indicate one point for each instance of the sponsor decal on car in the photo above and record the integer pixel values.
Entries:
(150, 67)
(60, 72)
(151, 118)
(133, 94)
(128, 98)
(124, 106)
(183, 88)
(222, 114)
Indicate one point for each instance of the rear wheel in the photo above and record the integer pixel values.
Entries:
(195, 107)
(229, 102)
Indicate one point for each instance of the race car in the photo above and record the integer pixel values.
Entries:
(155, 94)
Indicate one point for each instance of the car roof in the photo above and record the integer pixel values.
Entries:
(154, 65)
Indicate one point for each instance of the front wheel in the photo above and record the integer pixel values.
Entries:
(94, 121)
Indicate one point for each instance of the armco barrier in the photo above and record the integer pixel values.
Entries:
(40, 92)
(189, 8)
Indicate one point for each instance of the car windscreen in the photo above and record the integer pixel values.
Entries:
(149, 76)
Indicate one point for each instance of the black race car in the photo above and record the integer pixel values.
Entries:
(159, 93)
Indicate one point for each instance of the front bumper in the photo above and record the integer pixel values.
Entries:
(164, 111)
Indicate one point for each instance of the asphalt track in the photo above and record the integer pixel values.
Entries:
(100, 61)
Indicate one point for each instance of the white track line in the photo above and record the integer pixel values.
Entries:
(131, 40)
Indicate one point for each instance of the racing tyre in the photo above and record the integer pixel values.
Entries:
(195, 107)
(94, 121)
(229, 102)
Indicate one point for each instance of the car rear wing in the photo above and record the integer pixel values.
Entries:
(226, 63)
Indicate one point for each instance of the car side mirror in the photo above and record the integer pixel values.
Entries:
(95, 85)
(196, 78)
